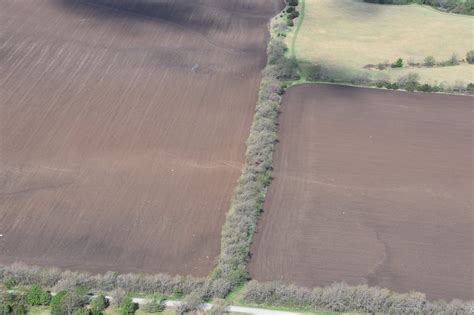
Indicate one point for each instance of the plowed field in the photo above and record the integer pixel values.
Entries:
(123, 126)
(373, 187)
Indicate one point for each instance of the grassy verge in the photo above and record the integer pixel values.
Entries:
(297, 29)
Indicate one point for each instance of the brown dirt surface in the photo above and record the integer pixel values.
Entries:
(371, 186)
(123, 125)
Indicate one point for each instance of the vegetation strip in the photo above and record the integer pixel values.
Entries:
(297, 29)
(249, 196)
(452, 6)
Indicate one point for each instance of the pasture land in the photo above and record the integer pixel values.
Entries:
(370, 186)
(348, 35)
(123, 126)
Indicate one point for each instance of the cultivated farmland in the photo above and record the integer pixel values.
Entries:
(373, 187)
(123, 126)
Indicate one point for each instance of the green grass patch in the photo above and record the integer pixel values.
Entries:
(350, 34)
(36, 310)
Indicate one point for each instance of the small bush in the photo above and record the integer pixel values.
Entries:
(459, 86)
(470, 56)
(292, 3)
(98, 304)
(154, 306)
(425, 88)
(409, 81)
(470, 88)
(9, 283)
(293, 15)
(56, 307)
(290, 9)
(128, 307)
(381, 84)
(429, 61)
(81, 311)
(13, 303)
(118, 296)
(37, 296)
(398, 63)
(72, 301)
(392, 86)
(290, 22)
(453, 60)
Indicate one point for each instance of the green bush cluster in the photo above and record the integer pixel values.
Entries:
(13, 303)
(37, 296)
(154, 306)
(340, 297)
(291, 12)
(470, 56)
(410, 82)
(398, 63)
(454, 6)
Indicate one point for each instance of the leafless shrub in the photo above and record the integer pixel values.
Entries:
(340, 297)
(118, 295)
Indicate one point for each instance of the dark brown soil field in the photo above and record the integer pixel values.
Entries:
(123, 125)
(372, 187)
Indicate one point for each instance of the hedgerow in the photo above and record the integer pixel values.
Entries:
(247, 201)
(341, 297)
(59, 280)
(454, 6)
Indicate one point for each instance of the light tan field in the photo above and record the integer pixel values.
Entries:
(352, 34)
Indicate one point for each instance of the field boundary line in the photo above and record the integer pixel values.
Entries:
(297, 29)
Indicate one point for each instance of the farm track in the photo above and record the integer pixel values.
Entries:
(370, 186)
(122, 134)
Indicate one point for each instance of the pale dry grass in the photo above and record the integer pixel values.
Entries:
(352, 34)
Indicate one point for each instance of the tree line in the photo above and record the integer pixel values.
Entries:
(454, 6)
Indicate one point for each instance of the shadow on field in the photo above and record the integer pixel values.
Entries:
(357, 9)
(183, 13)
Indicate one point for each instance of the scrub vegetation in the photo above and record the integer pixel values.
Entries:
(454, 6)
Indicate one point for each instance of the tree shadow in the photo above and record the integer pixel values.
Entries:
(358, 9)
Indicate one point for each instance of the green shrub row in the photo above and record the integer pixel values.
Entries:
(340, 297)
(74, 301)
(291, 12)
(429, 61)
(13, 303)
(409, 82)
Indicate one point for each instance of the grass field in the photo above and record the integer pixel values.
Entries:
(351, 34)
